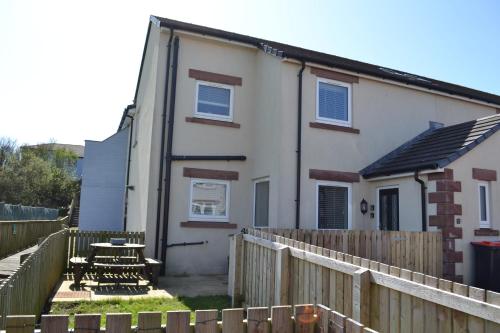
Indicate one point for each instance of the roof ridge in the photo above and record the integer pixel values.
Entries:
(403, 160)
(335, 61)
(459, 153)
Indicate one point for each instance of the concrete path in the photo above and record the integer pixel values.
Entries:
(169, 287)
(9, 264)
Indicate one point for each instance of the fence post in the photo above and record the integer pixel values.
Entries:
(235, 269)
(282, 276)
(361, 296)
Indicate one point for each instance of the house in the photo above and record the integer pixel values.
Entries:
(73, 168)
(102, 197)
(230, 131)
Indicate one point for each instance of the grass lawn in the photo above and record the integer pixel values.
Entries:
(141, 305)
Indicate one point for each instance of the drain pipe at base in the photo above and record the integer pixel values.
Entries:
(423, 189)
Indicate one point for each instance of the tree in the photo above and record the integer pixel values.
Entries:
(7, 148)
(37, 176)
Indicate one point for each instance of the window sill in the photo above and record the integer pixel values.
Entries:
(332, 127)
(209, 225)
(214, 122)
(486, 232)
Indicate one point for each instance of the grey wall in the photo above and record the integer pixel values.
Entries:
(103, 183)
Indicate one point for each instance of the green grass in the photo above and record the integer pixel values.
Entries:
(141, 305)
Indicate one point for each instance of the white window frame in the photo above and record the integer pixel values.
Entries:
(377, 204)
(212, 116)
(196, 217)
(255, 182)
(347, 123)
(349, 202)
(487, 222)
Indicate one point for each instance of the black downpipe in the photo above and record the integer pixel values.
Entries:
(168, 156)
(162, 145)
(209, 158)
(423, 189)
(131, 129)
(299, 148)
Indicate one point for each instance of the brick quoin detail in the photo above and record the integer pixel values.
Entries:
(448, 186)
(446, 175)
(441, 197)
(444, 220)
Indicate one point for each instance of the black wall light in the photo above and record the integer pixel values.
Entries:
(363, 206)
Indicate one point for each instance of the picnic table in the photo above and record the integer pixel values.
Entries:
(123, 262)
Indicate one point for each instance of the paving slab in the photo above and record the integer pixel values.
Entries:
(168, 286)
(9, 264)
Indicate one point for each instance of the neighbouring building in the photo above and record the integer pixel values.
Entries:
(74, 168)
(103, 183)
(231, 131)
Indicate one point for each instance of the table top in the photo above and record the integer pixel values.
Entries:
(124, 246)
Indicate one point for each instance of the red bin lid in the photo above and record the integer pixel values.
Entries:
(487, 243)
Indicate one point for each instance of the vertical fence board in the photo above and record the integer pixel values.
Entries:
(87, 323)
(281, 317)
(20, 324)
(476, 324)
(304, 318)
(232, 321)
(149, 322)
(257, 320)
(118, 323)
(55, 324)
(394, 304)
(178, 322)
(206, 321)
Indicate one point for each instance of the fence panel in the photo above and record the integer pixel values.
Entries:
(19, 235)
(305, 318)
(383, 297)
(26, 291)
(10, 212)
(412, 250)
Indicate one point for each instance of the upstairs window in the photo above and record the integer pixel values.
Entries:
(333, 102)
(484, 206)
(334, 206)
(214, 101)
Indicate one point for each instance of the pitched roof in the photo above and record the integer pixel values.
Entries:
(434, 148)
(285, 50)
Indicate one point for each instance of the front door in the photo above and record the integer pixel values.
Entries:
(389, 209)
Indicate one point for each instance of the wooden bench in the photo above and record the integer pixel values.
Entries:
(118, 268)
(153, 270)
(79, 265)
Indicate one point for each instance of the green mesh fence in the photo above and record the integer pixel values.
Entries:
(18, 212)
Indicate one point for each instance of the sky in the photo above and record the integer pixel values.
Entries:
(68, 68)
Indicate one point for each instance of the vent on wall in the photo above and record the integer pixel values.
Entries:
(407, 76)
(271, 50)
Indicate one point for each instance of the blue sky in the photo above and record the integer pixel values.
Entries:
(68, 68)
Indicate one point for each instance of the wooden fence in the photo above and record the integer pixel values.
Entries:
(79, 241)
(306, 319)
(27, 290)
(266, 270)
(19, 235)
(416, 251)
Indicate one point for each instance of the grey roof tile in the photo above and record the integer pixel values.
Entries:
(434, 148)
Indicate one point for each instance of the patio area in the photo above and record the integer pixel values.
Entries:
(168, 287)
